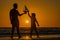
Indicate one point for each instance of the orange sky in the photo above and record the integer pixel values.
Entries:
(47, 12)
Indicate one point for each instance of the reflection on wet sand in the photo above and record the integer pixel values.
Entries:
(26, 37)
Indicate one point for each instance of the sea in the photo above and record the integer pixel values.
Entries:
(44, 33)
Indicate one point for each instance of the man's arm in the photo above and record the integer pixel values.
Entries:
(20, 14)
(10, 17)
(37, 22)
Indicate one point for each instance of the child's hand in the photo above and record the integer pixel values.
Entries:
(25, 12)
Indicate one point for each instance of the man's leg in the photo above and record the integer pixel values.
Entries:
(18, 32)
(12, 31)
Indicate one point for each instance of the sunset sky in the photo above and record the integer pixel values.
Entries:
(47, 12)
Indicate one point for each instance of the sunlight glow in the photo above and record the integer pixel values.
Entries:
(27, 21)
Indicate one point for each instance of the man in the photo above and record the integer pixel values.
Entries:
(14, 19)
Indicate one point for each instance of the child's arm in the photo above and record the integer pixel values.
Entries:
(29, 14)
(37, 22)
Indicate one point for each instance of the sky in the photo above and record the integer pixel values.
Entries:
(47, 12)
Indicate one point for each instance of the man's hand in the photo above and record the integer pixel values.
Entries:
(25, 12)
(26, 9)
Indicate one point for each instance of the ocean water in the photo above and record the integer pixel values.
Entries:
(44, 34)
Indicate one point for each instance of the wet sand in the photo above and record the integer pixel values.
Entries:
(41, 37)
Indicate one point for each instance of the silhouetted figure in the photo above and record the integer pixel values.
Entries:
(14, 19)
(33, 24)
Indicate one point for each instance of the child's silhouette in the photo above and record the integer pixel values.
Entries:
(33, 24)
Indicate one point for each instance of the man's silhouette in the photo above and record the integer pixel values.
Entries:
(14, 19)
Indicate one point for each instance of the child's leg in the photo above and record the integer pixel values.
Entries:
(31, 31)
(36, 31)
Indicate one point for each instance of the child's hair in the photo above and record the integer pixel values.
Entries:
(33, 14)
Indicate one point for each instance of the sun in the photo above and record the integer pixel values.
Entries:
(26, 21)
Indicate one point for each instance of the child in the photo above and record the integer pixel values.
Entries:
(33, 24)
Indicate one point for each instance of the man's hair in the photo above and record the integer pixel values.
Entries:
(15, 4)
